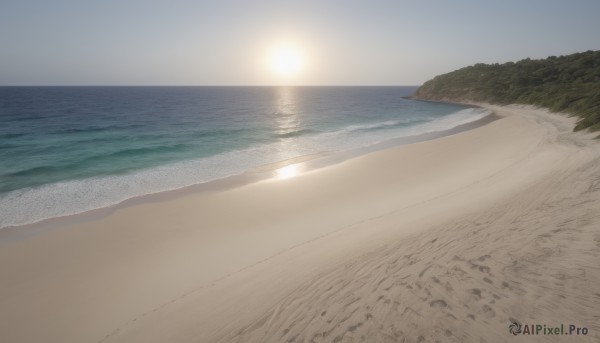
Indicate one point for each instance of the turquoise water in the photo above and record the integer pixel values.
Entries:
(66, 150)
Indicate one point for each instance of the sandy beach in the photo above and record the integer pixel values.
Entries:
(444, 240)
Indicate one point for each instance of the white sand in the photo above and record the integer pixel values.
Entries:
(441, 240)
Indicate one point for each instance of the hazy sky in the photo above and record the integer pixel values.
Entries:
(176, 42)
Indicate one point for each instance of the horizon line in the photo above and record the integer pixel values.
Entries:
(175, 85)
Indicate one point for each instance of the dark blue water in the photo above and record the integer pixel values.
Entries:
(66, 150)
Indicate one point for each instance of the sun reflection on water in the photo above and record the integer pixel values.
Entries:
(287, 119)
(287, 126)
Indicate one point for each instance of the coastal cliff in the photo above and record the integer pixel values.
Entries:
(569, 84)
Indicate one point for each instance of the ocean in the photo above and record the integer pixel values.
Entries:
(67, 150)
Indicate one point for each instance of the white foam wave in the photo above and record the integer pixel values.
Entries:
(350, 139)
(383, 124)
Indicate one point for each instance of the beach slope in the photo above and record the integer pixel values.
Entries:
(449, 240)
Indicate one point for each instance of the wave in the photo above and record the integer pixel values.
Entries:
(80, 130)
(415, 125)
(295, 133)
(8, 146)
(453, 120)
(35, 171)
(218, 133)
(28, 205)
(381, 125)
(119, 161)
(23, 118)
(138, 152)
(12, 135)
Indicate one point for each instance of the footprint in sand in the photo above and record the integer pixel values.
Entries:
(489, 312)
(476, 293)
(439, 303)
(484, 269)
(484, 257)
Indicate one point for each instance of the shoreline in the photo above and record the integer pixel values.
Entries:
(449, 238)
(307, 163)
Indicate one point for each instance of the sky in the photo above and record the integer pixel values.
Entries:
(180, 42)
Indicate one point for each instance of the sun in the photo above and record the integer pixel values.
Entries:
(286, 60)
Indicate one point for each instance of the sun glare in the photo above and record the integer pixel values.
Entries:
(287, 171)
(286, 60)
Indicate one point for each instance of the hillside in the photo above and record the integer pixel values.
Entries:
(569, 84)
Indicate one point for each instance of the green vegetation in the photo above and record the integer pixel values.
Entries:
(569, 84)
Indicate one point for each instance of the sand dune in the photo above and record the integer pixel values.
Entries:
(445, 240)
